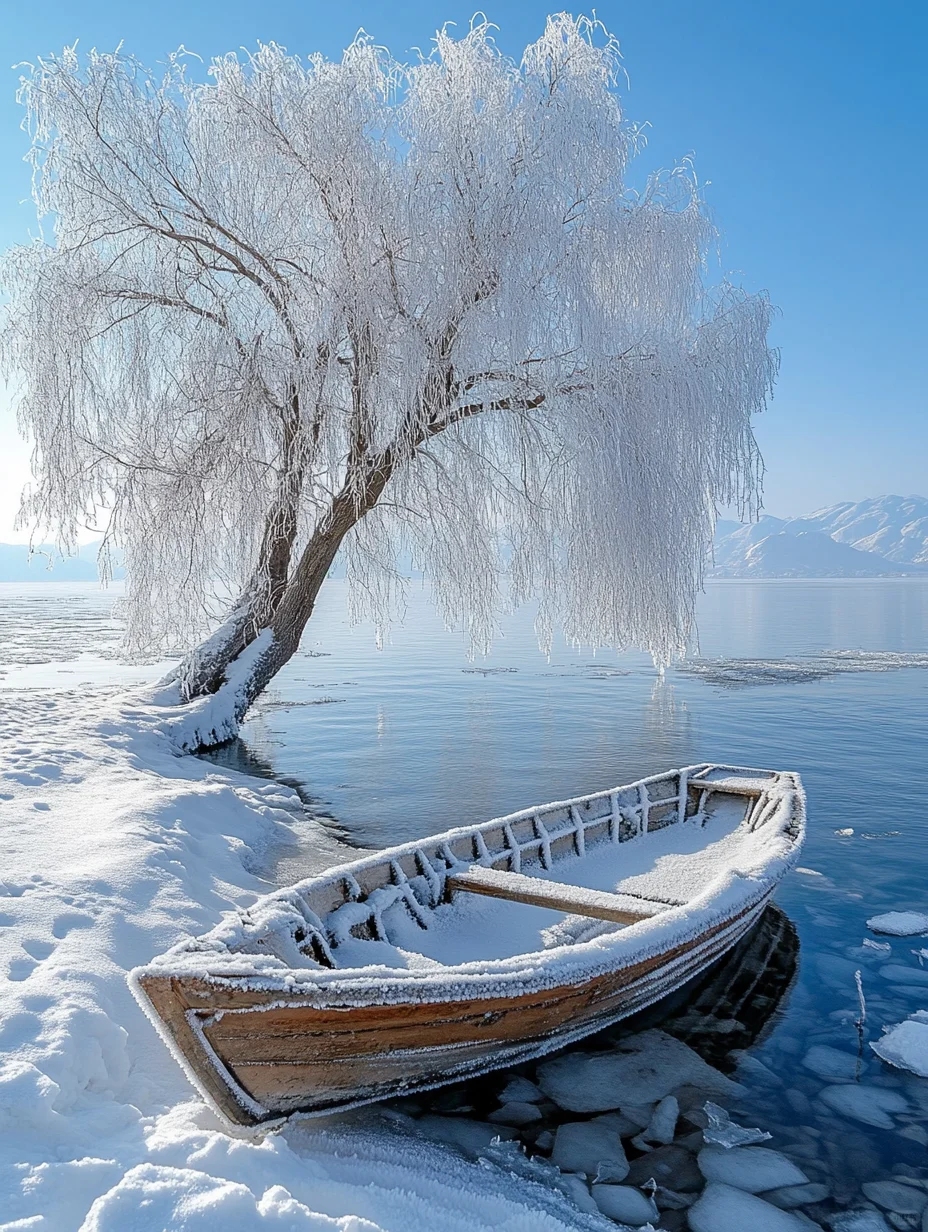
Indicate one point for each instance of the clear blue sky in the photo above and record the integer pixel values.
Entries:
(808, 118)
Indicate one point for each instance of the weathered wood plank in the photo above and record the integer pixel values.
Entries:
(555, 895)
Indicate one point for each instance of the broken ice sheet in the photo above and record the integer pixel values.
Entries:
(723, 1131)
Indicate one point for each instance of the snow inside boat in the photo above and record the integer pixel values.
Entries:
(474, 949)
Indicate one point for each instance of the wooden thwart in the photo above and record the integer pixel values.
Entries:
(496, 883)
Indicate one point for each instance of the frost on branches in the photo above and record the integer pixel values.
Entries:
(301, 306)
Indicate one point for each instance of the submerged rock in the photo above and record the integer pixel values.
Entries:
(722, 1208)
(797, 1195)
(751, 1168)
(894, 1196)
(644, 1068)
(899, 973)
(625, 1204)
(516, 1113)
(859, 1221)
(832, 1064)
(585, 1146)
(870, 1105)
(670, 1166)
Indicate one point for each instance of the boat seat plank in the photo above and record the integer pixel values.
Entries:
(575, 900)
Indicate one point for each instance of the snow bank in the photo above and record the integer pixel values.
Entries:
(114, 849)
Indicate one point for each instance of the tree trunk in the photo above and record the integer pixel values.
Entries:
(229, 665)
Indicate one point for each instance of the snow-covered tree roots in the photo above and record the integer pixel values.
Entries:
(291, 307)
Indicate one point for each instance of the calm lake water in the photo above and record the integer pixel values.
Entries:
(385, 745)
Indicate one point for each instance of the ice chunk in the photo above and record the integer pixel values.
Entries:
(832, 1064)
(520, 1090)
(723, 1208)
(900, 923)
(894, 1196)
(644, 1068)
(898, 973)
(625, 1204)
(583, 1146)
(663, 1122)
(752, 1168)
(906, 1045)
(871, 1105)
(723, 1131)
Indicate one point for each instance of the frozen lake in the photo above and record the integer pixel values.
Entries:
(385, 745)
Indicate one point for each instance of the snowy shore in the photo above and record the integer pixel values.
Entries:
(113, 849)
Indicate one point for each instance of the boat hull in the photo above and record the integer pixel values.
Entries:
(260, 1055)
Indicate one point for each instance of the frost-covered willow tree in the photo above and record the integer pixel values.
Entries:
(308, 306)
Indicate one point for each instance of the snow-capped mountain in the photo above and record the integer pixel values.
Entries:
(884, 536)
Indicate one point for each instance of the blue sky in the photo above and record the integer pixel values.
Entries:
(808, 119)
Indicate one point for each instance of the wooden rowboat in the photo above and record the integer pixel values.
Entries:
(474, 949)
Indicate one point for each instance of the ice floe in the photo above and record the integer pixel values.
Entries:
(906, 1045)
(900, 923)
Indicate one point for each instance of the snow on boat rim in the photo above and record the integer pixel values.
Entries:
(740, 881)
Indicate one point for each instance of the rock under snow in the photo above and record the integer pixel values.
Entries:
(470, 1136)
(722, 1208)
(663, 1122)
(752, 1168)
(871, 1105)
(644, 1068)
(906, 1045)
(624, 1204)
(583, 1146)
(832, 1064)
(894, 1196)
(900, 923)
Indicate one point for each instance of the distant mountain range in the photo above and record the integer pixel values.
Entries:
(883, 537)
(46, 565)
(886, 536)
